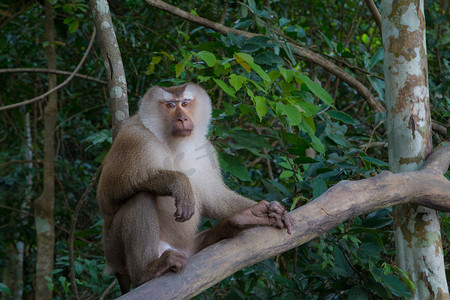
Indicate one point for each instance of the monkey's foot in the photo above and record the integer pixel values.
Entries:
(172, 260)
(263, 214)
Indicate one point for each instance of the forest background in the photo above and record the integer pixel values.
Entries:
(285, 128)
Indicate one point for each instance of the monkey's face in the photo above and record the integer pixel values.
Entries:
(179, 115)
(176, 113)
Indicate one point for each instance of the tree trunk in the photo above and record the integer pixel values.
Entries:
(44, 205)
(13, 271)
(416, 228)
(112, 60)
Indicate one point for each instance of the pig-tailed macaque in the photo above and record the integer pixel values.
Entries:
(159, 177)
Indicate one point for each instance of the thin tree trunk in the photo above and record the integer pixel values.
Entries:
(112, 60)
(44, 205)
(416, 228)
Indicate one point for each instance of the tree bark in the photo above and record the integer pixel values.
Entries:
(44, 205)
(112, 60)
(416, 229)
(345, 200)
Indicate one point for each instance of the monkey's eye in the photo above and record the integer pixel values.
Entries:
(184, 104)
(170, 105)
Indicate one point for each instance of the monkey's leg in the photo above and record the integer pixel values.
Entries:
(260, 214)
(124, 282)
(140, 235)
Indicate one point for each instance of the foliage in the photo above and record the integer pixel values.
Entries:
(285, 130)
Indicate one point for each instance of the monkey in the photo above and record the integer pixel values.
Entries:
(159, 177)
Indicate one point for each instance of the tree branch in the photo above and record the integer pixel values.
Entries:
(59, 86)
(375, 13)
(301, 52)
(58, 72)
(347, 199)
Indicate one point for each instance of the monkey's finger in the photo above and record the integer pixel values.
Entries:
(289, 222)
(183, 213)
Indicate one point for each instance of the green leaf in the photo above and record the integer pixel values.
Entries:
(259, 71)
(225, 87)
(309, 109)
(244, 56)
(319, 187)
(4, 289)
(261, 106)
(237, 81)
(74, 26)
(249, 139)
(341, 116)
(330, 44)
(317, 144)
(181, 66)
(358, 293)
(286, 174)
(339, 47)
(397, 287)
(233, 165)
(375, 161)
(316, 89)
(287, 74)
(377, 57)
(293, 114)
(378, 85)
(208, 57)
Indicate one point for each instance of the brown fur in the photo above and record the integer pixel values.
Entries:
(156, 184)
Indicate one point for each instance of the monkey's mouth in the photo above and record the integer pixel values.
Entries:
(182, 132)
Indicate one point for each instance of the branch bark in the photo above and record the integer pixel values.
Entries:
(299, 51)
(347, 199)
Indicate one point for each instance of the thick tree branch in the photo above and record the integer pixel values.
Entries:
(58, 72)
(302, 52)
(347, 199)
(65, 82)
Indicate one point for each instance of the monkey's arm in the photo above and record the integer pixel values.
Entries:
(114, 190)
(131, 168)
(222, 202)
(260, 214)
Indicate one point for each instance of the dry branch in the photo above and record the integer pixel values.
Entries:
(347, 199)
(301, 52)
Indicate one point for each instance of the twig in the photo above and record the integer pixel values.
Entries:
(108, 290)
(58, 72)
(72, 230)
(371, 135)
(20, 162)
(59, 86)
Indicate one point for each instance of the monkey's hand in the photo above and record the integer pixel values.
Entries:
(263, 214)
(185, 206)
(278, 215)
